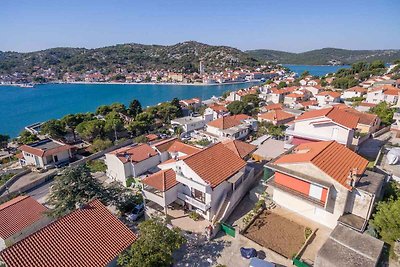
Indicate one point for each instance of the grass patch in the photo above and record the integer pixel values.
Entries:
(5, 177)
(96, 166)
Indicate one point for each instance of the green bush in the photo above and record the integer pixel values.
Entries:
(307, 232)
(194, 216)
(96, 166)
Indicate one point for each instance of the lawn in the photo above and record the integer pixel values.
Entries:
(277, 233)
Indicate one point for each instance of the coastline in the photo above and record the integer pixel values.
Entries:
(136, 83)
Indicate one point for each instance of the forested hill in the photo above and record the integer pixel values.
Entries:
(325, 56)
(133, 57)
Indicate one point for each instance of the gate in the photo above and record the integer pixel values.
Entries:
(228, 229)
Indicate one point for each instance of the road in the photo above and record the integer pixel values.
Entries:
(41, 192)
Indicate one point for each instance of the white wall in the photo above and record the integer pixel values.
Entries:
(116, 169)
(143, 166)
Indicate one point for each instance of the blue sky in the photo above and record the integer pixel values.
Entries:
(280, 24)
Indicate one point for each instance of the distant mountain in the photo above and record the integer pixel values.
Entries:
(325, 56)
(133, 57)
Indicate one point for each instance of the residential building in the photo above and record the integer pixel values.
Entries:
(210, 182)
(367, 124)
(328, 98)
(90, 236)
(189, 123)
(193, 103)
(327, 183)
(240, 148)
(230, 127)
(276, 117)
(19, 218)
(238, 95)
(356, 91)
(386, 93)
(173, 149)
(131, 161)
(45, 154)
(214, 112)
(346, 247)
(323, 125)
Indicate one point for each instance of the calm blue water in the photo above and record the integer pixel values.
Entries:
(20, 107)
(319, 70)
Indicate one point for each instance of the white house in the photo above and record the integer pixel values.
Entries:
(210, 182)
(189, 123)
(327, 98)
(386, 93)
(45, 154)
(238, 95)
(327, 183)
(323, 125)
(131, 161)
(230, 127)
(214, 112)
(355, 91)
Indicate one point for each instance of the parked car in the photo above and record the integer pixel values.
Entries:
(136, 213)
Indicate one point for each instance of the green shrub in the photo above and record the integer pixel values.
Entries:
(307, 232)
(194, 216)
(96, 166)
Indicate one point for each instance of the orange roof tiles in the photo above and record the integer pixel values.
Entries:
(134, 154)
(174, 145)
(88, 237)
(331, 157)
(309, 103)
(364, 118)
(19, 213)
(329, 93)
(41, 152)
(276, 115)
(294, 95)
(218, 108)
(162, 180)
(339, 116)
(215, 164)
(273, 106)
(242, 149)
(357, 89)
(228, 121)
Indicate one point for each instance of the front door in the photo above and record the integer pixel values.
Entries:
(55, 158)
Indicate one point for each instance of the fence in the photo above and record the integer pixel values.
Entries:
(381, 131)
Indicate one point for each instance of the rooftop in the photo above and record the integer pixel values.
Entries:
(331, 157)
(174, 145)
(215, 164)
(228, 121)
(87, 237)
(19, 213)
(276, 115)
(186, 120)
(336, 115)
(346, 247)
(242, 149)
(45, 147)
(135, 153)
(162, 180)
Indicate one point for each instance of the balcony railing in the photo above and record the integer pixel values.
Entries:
(194, 202)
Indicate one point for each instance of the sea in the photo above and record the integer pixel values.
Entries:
(317, 70)
(20, 107)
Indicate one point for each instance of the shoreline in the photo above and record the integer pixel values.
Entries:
(136, 83)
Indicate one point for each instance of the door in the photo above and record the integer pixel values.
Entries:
(55, 158)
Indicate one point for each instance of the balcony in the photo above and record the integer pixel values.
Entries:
(180, 177)
(194, 202)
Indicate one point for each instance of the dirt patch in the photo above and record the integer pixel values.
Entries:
(277, 233)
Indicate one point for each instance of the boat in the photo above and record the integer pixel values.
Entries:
(26, 85)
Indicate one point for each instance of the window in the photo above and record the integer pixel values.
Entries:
(198, 195)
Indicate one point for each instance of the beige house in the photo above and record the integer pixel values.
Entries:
(45, 154)
(327, 183)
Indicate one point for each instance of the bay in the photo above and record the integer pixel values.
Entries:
(318, 70)
(20, 107)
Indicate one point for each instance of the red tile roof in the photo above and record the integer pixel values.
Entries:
(215, 164)
(339, 116)
(276, 115)
(174, 145)
(309, 103)
(273, 106)
(43, 153)
(357, 89)
(151, 137)
(88, 237)
(242, 149)
(329, 93)
(218, 108)
(162, 180)
(364, 118)
(134, 154)
(228, 121)
(331, 157)
(19, 213)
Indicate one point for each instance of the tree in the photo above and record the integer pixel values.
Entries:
(237, 107)
(4, 140)
(26, 137)
(344, 82)
(176, 103)
(282, 84)
(384, 112)
(91, 129)
(154, 247)
(304, 74)
(75, 186)
(100, 145)
(54, 128)
(71, 121)
(252, 99)
(141, 124)
(113, 124)
(377, 64)
(386, 220)
(134, 108)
